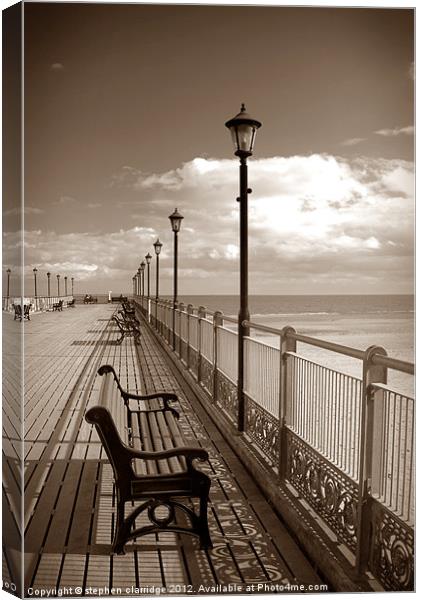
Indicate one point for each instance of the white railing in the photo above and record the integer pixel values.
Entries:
(325, 409)
(262, 370)
(339, 440)
(227, 356)
(393, 466)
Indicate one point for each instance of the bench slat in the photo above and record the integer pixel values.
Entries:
(139, 465)
(167, 423)
(145, 436)
(163, 465)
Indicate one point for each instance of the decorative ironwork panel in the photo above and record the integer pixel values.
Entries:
(263, 429)
(331, 493)
(226, 395)
(392, 552)
(206, 374)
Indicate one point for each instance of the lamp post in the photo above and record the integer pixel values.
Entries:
(48, 284)
(8, 282)
(72, 280)
(142, 280)
(35, 271)
(243, 131)
(58, 286)
(65, 285)
(148, 259)
(175, 219)
(138, 282)
(157, 245)
(134, 285)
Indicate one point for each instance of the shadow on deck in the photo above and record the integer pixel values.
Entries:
(69, 508)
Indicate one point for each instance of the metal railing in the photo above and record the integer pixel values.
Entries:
(345, 443)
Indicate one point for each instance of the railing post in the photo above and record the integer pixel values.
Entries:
(189, 312)
(217, 322)
(181, 308)
(286, 344)
(171, 325)
(368, 430)
(168, 318)
(201, 314)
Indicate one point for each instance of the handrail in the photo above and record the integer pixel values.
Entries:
(394, 363)
(298, 337)
(377, 359)
(346, 350)
(261, 327)
(229, 319)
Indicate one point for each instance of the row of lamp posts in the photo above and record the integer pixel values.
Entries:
(72, 279)
(139, 278)
(243, 130)
(35, 271)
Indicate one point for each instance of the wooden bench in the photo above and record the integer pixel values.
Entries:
(18, 312)
(118, 298)
(58, 305)
(89, 299)
(128, 328)
(151, 464)
(71, 302)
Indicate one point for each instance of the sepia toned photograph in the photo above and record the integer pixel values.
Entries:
(208, 299)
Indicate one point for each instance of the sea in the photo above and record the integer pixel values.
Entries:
(357, 321)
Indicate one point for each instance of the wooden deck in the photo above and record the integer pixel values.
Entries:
(69, 492)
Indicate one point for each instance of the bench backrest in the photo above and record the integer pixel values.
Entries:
(117, 453)
(110, 398)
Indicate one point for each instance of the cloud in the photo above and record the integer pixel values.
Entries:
(352, 141)
(409, 130)
(65, 200)
(56, 66)
(94, 204)
(315, 223)
(28, 210)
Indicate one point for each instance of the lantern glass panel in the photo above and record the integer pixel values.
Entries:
(176, 224)
(244, 137)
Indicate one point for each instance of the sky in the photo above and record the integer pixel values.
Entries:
(125, 107)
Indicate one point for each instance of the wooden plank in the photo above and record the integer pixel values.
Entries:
(80, 526)
(37, 528)
(56, 538)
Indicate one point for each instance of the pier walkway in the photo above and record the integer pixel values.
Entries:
(69, 509)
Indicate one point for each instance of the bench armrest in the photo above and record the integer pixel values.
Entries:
(166, 396)
(188, 452)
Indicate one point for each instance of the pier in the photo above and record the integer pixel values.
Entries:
(69, 491)
(300, 497)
